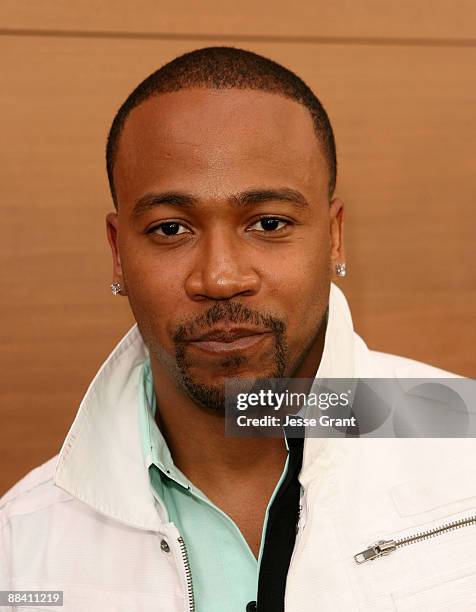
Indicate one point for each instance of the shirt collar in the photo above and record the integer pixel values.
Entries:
(101, 461)
(154, 447)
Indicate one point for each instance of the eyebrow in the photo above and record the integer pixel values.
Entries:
(247, 198)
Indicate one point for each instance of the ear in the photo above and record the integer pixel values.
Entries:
(336, 213)
(112, 229)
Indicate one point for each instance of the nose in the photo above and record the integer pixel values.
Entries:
(222, 268)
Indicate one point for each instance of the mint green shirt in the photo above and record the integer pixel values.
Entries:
(224, 569)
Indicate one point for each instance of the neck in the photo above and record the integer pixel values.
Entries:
(199, 448)
(196, 436)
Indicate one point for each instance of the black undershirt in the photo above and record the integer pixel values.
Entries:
(280, 535)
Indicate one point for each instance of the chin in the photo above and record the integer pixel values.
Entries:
(217, 376)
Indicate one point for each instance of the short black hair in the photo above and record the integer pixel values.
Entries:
(225, 68)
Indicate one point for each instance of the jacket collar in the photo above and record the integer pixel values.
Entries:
(101, 461)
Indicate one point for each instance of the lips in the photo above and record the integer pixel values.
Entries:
(227, 335)
(228, 340)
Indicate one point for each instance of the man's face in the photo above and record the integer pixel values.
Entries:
(225, 238)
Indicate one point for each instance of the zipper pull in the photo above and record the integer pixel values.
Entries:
(382, 547)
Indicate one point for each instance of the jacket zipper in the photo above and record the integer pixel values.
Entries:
(385, 547)
(188, 574)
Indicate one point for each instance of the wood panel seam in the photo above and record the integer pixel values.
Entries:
(306, 39)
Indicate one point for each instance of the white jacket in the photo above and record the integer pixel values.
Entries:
(86, 522)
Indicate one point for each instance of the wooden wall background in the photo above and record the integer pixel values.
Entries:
(398, 82)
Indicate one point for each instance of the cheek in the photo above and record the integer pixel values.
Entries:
(300, 276)
(153, 296)
(301, 288)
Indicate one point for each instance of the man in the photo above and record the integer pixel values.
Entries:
(225, 240)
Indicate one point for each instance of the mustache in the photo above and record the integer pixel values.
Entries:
(227, 312)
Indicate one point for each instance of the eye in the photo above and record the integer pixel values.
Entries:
(170, 228)
(270, 224)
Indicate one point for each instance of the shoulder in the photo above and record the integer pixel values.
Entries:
(386, 364)
(32, 493)
(377, 364)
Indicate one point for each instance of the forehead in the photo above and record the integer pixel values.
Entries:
(218, 140)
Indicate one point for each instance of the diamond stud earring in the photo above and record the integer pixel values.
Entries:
(340, 269)
(116, 288)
